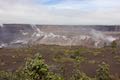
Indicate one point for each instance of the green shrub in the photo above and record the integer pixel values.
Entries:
(36, 69)
(80, 76)
(103, 72)
(114, 44)
(12, 76)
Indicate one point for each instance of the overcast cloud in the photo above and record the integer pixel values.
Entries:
(60, 11)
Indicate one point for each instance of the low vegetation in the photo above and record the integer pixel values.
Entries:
(51, 62)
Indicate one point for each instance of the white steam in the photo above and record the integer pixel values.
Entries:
(1, 25)
(99, 37)
(3, 45)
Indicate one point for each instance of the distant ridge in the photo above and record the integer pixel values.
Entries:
(86, 35)
(97, 27)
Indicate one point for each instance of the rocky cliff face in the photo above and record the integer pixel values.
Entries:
(17, 34)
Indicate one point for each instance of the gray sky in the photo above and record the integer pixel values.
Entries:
(72, 12)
